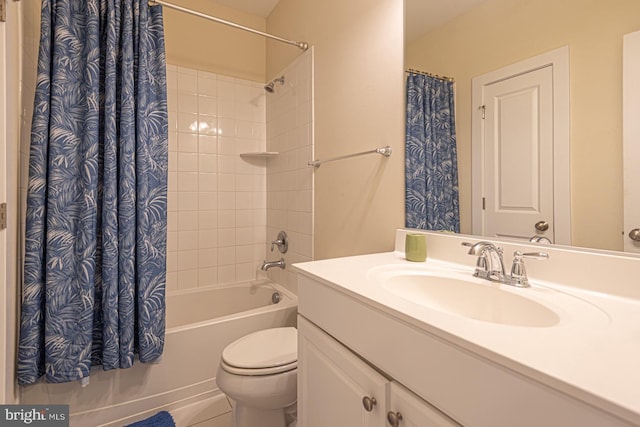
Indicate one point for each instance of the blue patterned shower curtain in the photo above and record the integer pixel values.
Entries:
(431, 166)
(94, 273)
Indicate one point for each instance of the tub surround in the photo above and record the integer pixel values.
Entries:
(289, 201)
(217, 199)
(585, 366)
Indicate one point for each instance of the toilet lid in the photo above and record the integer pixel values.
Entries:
(263, 349)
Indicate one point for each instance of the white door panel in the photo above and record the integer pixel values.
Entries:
(631, 139)
(520, 150)
(518, 159)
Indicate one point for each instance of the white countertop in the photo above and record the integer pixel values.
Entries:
(593, 353)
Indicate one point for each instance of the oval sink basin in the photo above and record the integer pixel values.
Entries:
(471, 298)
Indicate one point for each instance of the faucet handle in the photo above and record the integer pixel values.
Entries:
(518, 272)
(534, 255)
(281, 242)
(275, 243)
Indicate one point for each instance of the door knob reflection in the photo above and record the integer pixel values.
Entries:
(542, 226)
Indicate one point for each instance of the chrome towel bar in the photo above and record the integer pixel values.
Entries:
(385, 151)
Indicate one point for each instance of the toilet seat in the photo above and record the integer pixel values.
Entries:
(265, 352)
(258, 371)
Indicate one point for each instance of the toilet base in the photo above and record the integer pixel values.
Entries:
(250, 417)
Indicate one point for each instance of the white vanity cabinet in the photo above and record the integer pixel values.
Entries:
(352, 347)
(336, 388)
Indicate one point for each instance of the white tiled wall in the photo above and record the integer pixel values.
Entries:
(289, 178)
(217, 200)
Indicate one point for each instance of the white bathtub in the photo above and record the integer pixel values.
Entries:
(200, 323)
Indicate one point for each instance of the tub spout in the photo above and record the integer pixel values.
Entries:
(270, 264)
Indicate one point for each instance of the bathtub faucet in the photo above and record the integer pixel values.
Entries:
(270, 264)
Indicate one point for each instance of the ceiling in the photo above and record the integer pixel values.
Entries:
(425, 14)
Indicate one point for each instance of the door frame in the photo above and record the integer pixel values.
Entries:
(4, 252)
(10, 68)
(630, 136)
(558, 59)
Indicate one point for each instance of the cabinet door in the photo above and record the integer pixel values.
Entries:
(408, 410)
(333, 384)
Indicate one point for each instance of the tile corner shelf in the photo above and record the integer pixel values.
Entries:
(260, 154)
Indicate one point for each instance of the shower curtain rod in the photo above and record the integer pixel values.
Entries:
(449, 79)
(300, 45)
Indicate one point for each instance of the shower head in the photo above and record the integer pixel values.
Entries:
(270, 87)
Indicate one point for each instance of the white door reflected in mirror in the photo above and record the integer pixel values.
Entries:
(518, 159)
(520, 150)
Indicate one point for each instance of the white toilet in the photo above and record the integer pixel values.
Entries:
(259, 372)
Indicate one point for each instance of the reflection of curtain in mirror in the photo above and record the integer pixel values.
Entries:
(431, 166)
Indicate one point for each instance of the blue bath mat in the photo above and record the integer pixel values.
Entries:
(161, 419)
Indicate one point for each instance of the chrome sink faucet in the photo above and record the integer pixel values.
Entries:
(489, 265)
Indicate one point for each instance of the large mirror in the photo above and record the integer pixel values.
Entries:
(475, 37)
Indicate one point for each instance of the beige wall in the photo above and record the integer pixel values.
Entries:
(358, 106)
(205, 45)
(500, 32)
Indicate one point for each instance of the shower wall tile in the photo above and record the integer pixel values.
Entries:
(207, 105)
(187, 279)
(244, 272)
(187, 81)
(187, 122)
(207, 85)
(227, 273)
(289, 195)
(226, 89)
(187, 181)
(217, 205)
(172, 241)
(172, 261)
(188, 221)
(208, 239)
(187, 143)
(188, 103)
